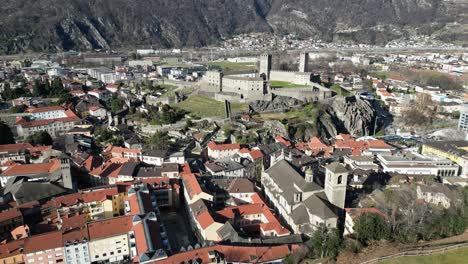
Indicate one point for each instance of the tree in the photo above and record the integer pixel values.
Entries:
(117, 104)
(159, 140)
(7, 136)
(326, 242)
(39, 89)
(40, 138)
(18, 109)
(56, 88)
(371, 226)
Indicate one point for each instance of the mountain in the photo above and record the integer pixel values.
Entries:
(53, 25)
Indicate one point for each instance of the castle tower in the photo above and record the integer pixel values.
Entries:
(265, 65)
(304, 62)
(336, 176)
(66, 172)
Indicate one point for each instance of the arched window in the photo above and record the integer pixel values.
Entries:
(340, 178)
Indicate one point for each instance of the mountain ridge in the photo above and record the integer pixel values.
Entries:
(52, 25)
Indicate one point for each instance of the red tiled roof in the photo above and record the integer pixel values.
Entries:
(43, 241)
(110, 227)
(315, 143)
(31, 169)
(256, 154)
(356, 212)
(110, 170)
(378, 144)
(9, 214)
(205, 219)
(192, 185)
(11, 248)
(283, 141)
(15, 147)
(343, 137)
(74, 221)
(212, 145)
(241, 254)
(77, 234)
(44, 109)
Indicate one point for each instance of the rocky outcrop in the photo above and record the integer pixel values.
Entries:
(351, 115)
(279, 103)
(51, 25)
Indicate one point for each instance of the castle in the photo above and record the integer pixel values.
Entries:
(253, 86)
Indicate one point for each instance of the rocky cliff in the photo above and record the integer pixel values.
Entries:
(346, 115)
(51, 25)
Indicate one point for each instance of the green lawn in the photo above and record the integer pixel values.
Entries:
(207, 107)
(233, 66)
(340, 91)
(454, 256)
(281, 84)
(308, 112)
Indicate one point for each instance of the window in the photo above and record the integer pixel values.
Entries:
(340, 179)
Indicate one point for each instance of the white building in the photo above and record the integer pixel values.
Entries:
(417, 164)
(463, 121)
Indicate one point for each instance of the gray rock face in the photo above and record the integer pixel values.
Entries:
(347, 115)
(277, 104)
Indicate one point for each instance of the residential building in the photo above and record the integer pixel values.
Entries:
(110, 239)
(439, 195)
(463, 120)
(44, 248)
(218, 151)
(76, 246)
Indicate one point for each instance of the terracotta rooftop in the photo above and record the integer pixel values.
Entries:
(32, 169)
(212, 145)
(192, 185)
(9, 214)
(43, 241)
(110, 227)
(44, 109)
(15, 147)
(283, 141)
(356, 212)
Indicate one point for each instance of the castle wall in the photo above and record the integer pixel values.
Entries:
(285, 76)
(302, 78)
(309, 94)
(212, 81)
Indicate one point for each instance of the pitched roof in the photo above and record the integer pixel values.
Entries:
(44, 109)
(42, 242)
(336, 167)
(212, 145)
(109, 170)
(191, 184)
(15, 147)
(282, 141)
(32, 169)
(357, 212)
(12, 248)
(9, 214)
(110, 227)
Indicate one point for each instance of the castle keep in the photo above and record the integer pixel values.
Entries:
(253, 86)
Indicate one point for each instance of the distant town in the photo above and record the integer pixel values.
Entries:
(259, 150)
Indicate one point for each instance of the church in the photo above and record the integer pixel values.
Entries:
(302, 203)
